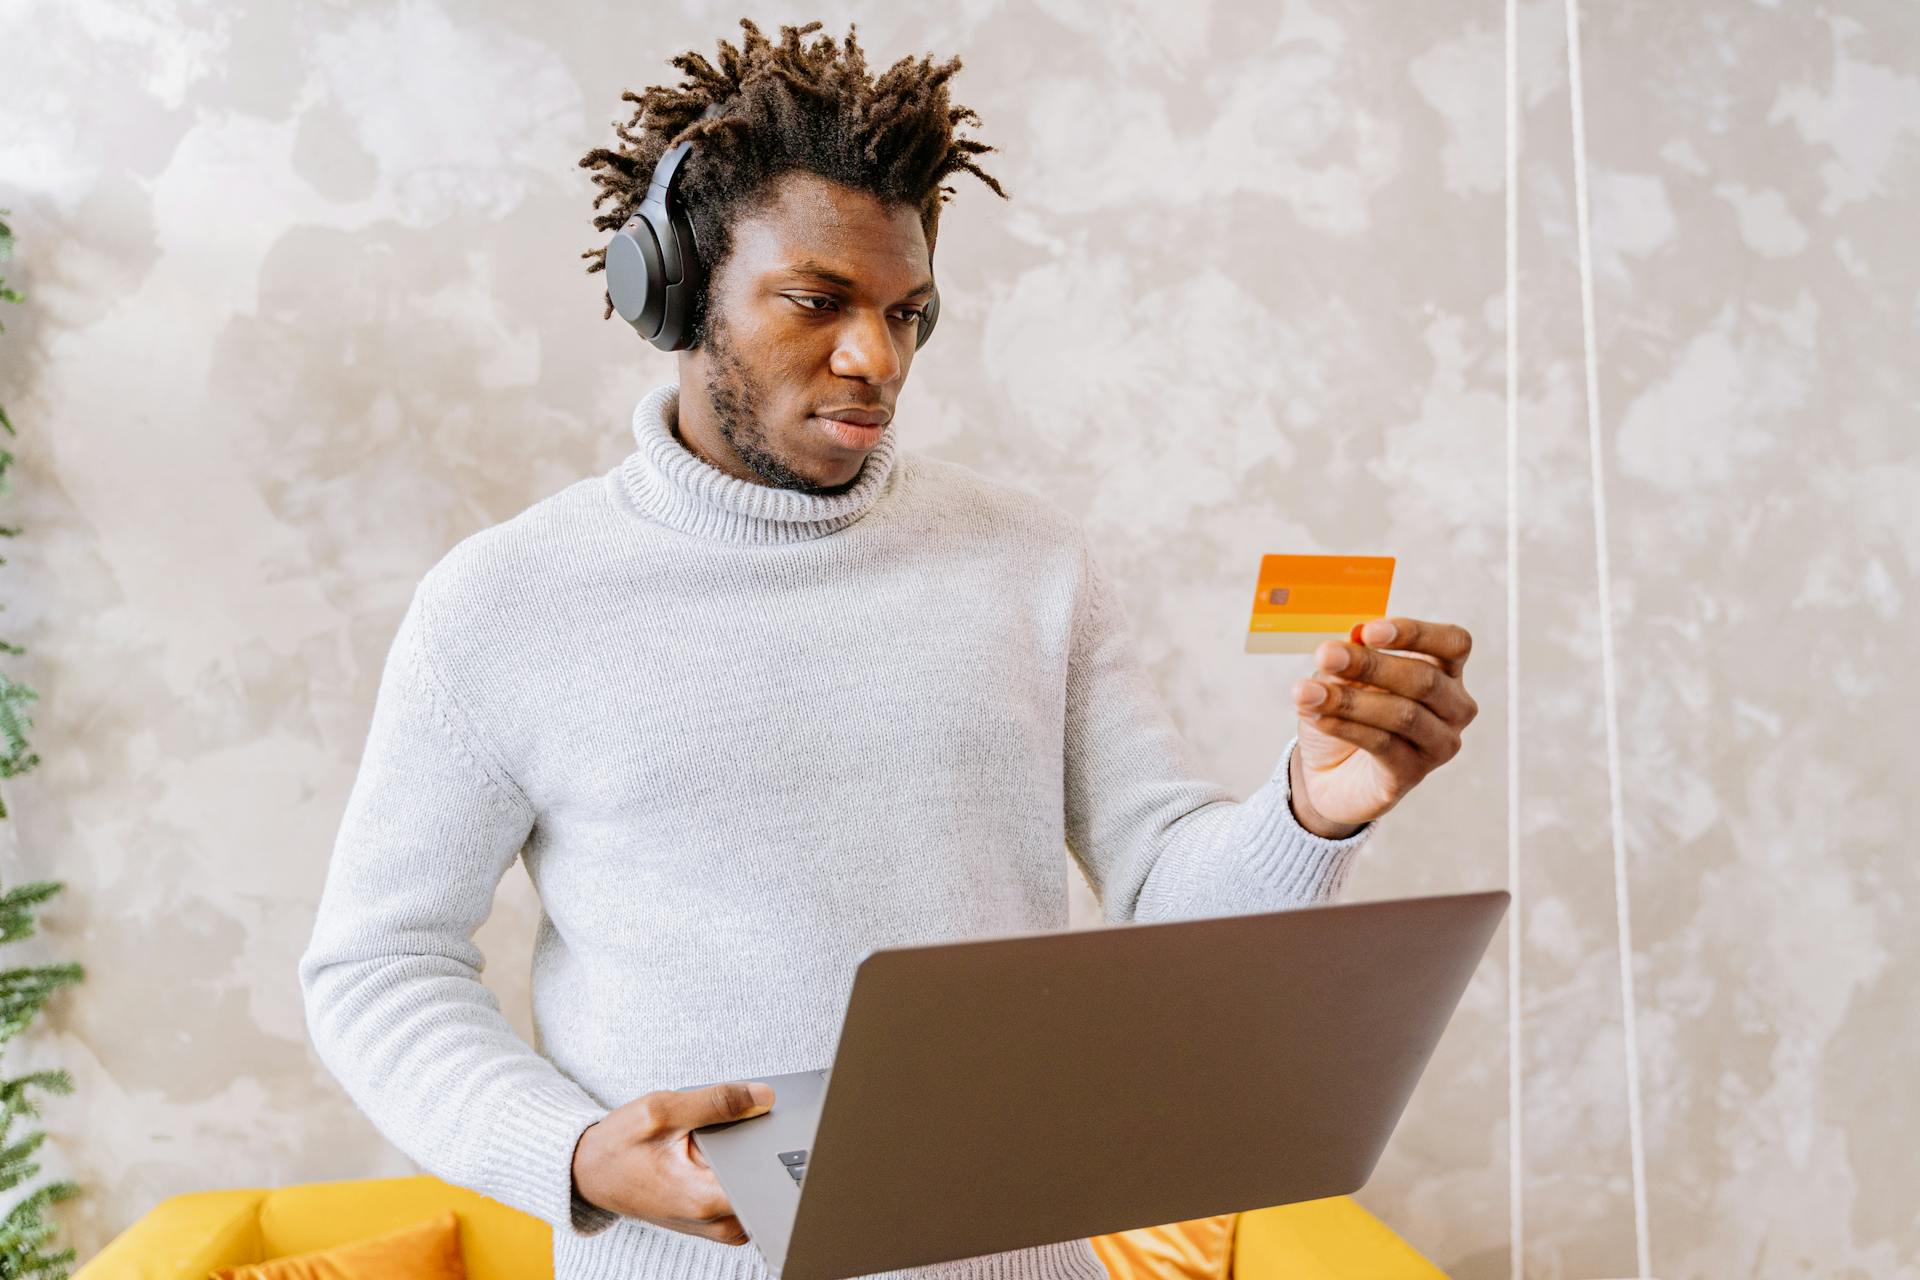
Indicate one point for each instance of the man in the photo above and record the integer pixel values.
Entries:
(767, 695)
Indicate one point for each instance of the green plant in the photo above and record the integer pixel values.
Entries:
(24, 990)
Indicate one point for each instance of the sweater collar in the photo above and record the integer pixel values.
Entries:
(668, 482)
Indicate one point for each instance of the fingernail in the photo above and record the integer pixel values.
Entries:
(762, 1093)
(1336, 661)
(1313, 694)
(1379, 631)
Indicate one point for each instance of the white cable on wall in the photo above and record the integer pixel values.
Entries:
(1616, 808)
(1514, 1169)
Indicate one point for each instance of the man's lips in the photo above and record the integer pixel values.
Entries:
(863, 417)
(849, 434)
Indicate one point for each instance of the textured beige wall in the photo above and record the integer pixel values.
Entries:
(307, 308)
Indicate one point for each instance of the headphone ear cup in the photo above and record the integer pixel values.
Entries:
(928, 316)
(634, 275)
(652, 263)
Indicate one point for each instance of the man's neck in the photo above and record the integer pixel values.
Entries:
(704, 440)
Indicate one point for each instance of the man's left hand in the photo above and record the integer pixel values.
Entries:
(1386, 720)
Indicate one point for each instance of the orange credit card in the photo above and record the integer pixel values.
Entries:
(1299, 601)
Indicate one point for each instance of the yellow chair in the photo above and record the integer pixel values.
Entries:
(186, 1236)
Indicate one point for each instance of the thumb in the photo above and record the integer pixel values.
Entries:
(718, 1103)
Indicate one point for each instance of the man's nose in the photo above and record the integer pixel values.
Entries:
(867, 348)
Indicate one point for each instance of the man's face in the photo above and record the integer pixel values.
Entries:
(815, 311)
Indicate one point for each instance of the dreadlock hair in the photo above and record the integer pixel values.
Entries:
(779, 108)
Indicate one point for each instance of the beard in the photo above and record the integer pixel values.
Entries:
(737, 399)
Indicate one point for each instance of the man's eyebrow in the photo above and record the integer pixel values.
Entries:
(821, 271)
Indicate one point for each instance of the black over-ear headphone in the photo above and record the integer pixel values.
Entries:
(654, 270)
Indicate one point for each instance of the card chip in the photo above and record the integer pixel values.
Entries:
(1277, 596)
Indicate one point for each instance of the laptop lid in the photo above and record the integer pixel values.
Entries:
(994, 1094)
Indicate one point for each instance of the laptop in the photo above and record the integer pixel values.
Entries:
(1024, 1089)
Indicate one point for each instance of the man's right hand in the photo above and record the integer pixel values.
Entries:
(640, 1159)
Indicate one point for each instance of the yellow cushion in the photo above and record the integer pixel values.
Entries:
(1200, 1249)
(498, 1242)
(1331, 1239)
(427, 1250)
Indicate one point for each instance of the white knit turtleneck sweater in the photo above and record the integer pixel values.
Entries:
(741, 736)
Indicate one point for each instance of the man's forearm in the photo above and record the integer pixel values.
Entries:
(1303, 811)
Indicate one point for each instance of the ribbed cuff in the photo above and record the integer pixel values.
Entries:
(527, 1158)
(1282, 854)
